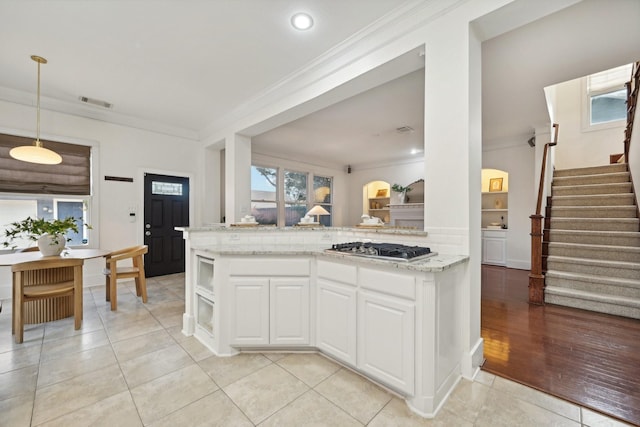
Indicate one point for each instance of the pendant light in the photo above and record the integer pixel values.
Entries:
(36, 153)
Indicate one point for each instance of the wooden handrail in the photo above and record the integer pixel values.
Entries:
(536, 278)
(632, 101)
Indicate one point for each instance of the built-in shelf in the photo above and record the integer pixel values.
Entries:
(495, 208)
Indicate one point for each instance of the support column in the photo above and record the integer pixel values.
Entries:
(237, 177)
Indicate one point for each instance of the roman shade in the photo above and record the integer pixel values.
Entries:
(71, 177)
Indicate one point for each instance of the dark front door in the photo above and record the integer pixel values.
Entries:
(166, 205)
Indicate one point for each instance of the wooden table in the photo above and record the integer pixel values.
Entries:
(55, 308)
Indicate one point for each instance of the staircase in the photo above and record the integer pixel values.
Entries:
(592, 241)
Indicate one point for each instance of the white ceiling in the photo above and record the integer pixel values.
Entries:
(176, 66)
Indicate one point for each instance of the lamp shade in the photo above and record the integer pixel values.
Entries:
(318, 210)
(35, 154)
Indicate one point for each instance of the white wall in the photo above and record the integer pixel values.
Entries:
(518, 160)
(578, 147)
(123, 152)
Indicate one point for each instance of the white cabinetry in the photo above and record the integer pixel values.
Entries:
(494, 247)
(272, 307)
(336, 311)
(363, 324)
(205, 298)
(386, 339)
(289, 311)
(249, 301)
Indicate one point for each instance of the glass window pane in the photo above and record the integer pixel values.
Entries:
(322, 189)
(293, 213)
(295, 187)
(263, 183)
(609, 106)
(326, 219)
(265, 212)
(74, 209)
(166, 188)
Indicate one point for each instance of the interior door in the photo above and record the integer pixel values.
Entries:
(166, 206)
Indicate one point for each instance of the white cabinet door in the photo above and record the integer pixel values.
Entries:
(494, 251)
(289, 307)
(249, 299)
(386, 340)
(336, 320)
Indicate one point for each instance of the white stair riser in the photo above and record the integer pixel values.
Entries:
(595, 224)
(596, 270)
(600, 307)
(583, 190)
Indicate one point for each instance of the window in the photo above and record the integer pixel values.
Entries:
(46, 191)
(322, 196)
(283, 197)
(295, 196)
(264, 201)
(15, 208)
(607, 96)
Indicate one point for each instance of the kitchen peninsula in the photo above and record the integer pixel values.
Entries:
(399, 323)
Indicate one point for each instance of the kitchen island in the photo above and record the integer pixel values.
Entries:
(399, 323)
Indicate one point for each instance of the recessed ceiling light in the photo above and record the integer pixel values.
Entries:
(302, 21)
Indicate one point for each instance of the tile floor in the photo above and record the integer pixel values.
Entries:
(134, 367)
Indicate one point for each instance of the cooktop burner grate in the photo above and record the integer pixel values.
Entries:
(393, 251)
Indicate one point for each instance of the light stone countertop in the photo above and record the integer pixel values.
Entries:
(436, 263)
(268, 228)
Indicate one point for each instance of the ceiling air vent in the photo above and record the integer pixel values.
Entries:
(96, 102)
(404, 129)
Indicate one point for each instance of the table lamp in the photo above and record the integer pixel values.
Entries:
(318, 210)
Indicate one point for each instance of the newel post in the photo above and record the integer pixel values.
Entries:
(536, 278)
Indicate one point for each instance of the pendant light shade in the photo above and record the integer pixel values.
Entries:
(36, 153)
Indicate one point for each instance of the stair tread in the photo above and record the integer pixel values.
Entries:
(598, 233)
(594, 296)
(610, 184)
(595, 262)
(570, 218)
(595, 196)
(590, 168)
(596, 247)
(583, 277)
(608, 207)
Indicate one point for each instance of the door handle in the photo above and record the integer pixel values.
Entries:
(147, 226)
(147, 233)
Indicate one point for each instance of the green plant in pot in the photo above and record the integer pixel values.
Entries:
(402, 192)
(49, 234)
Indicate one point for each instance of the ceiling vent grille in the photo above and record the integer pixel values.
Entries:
(404, 129)
(96, 102)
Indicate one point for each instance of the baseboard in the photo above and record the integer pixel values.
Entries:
(519, 264)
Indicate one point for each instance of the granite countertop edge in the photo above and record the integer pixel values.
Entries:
(439, 262)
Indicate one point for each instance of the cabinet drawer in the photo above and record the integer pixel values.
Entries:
(495, 234)
(387, 282)
(269, 267)
(337, 272)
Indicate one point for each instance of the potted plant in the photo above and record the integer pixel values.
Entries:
(49, 234)
(402, 192)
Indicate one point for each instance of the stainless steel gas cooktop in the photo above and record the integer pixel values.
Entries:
(388, 251)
